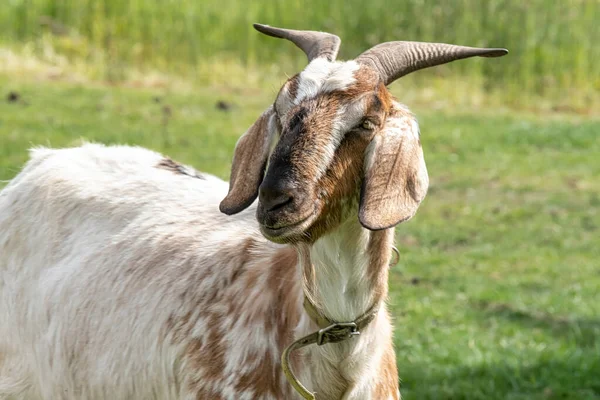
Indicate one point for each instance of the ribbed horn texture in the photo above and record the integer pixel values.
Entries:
(396, 59)
(314, 44)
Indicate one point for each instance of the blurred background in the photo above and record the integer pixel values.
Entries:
(497, 293)
(553, 44)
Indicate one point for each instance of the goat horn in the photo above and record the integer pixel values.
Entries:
(314, 44)
(395, 59)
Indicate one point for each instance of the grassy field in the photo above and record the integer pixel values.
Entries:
(553, 44)
(497, 294)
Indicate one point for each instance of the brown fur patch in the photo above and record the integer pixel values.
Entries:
(366, 80)
(380, 244)
(293, 86)
(244, 255)
(204, 352)
(339, 188)
(207, 354)
(173, 166)
(281, 319)
(385, 97)
(387, 382)
(261, 381)
(283, 280)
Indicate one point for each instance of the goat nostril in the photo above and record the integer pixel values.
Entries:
(280, 202)
(274, 199)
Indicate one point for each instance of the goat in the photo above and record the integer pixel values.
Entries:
(120, 279)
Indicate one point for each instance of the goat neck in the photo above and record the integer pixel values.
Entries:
(345, 274)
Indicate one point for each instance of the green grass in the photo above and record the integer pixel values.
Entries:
(497, 294)
(553, 44)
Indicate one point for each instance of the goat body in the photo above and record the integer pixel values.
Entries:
(120, 279)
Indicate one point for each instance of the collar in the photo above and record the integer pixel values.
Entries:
(329, 332)
(324, 323)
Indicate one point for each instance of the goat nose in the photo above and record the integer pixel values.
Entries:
(273, 197)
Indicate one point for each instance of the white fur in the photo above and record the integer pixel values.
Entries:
(341, 270)
(322, 76)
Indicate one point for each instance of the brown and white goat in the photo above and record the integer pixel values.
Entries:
(120, 279)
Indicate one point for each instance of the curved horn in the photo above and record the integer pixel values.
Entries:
(314, 44)
(396, 59)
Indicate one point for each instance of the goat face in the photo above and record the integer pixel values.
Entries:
(335, 142)
(327, 117)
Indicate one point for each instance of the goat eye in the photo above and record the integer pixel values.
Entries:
(367, 124)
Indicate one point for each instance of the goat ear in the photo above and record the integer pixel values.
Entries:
(249, 163)
(395, 178)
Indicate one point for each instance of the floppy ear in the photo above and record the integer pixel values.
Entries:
(395, 178)
(249, 163)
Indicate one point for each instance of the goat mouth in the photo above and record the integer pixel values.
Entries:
(282, 232)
